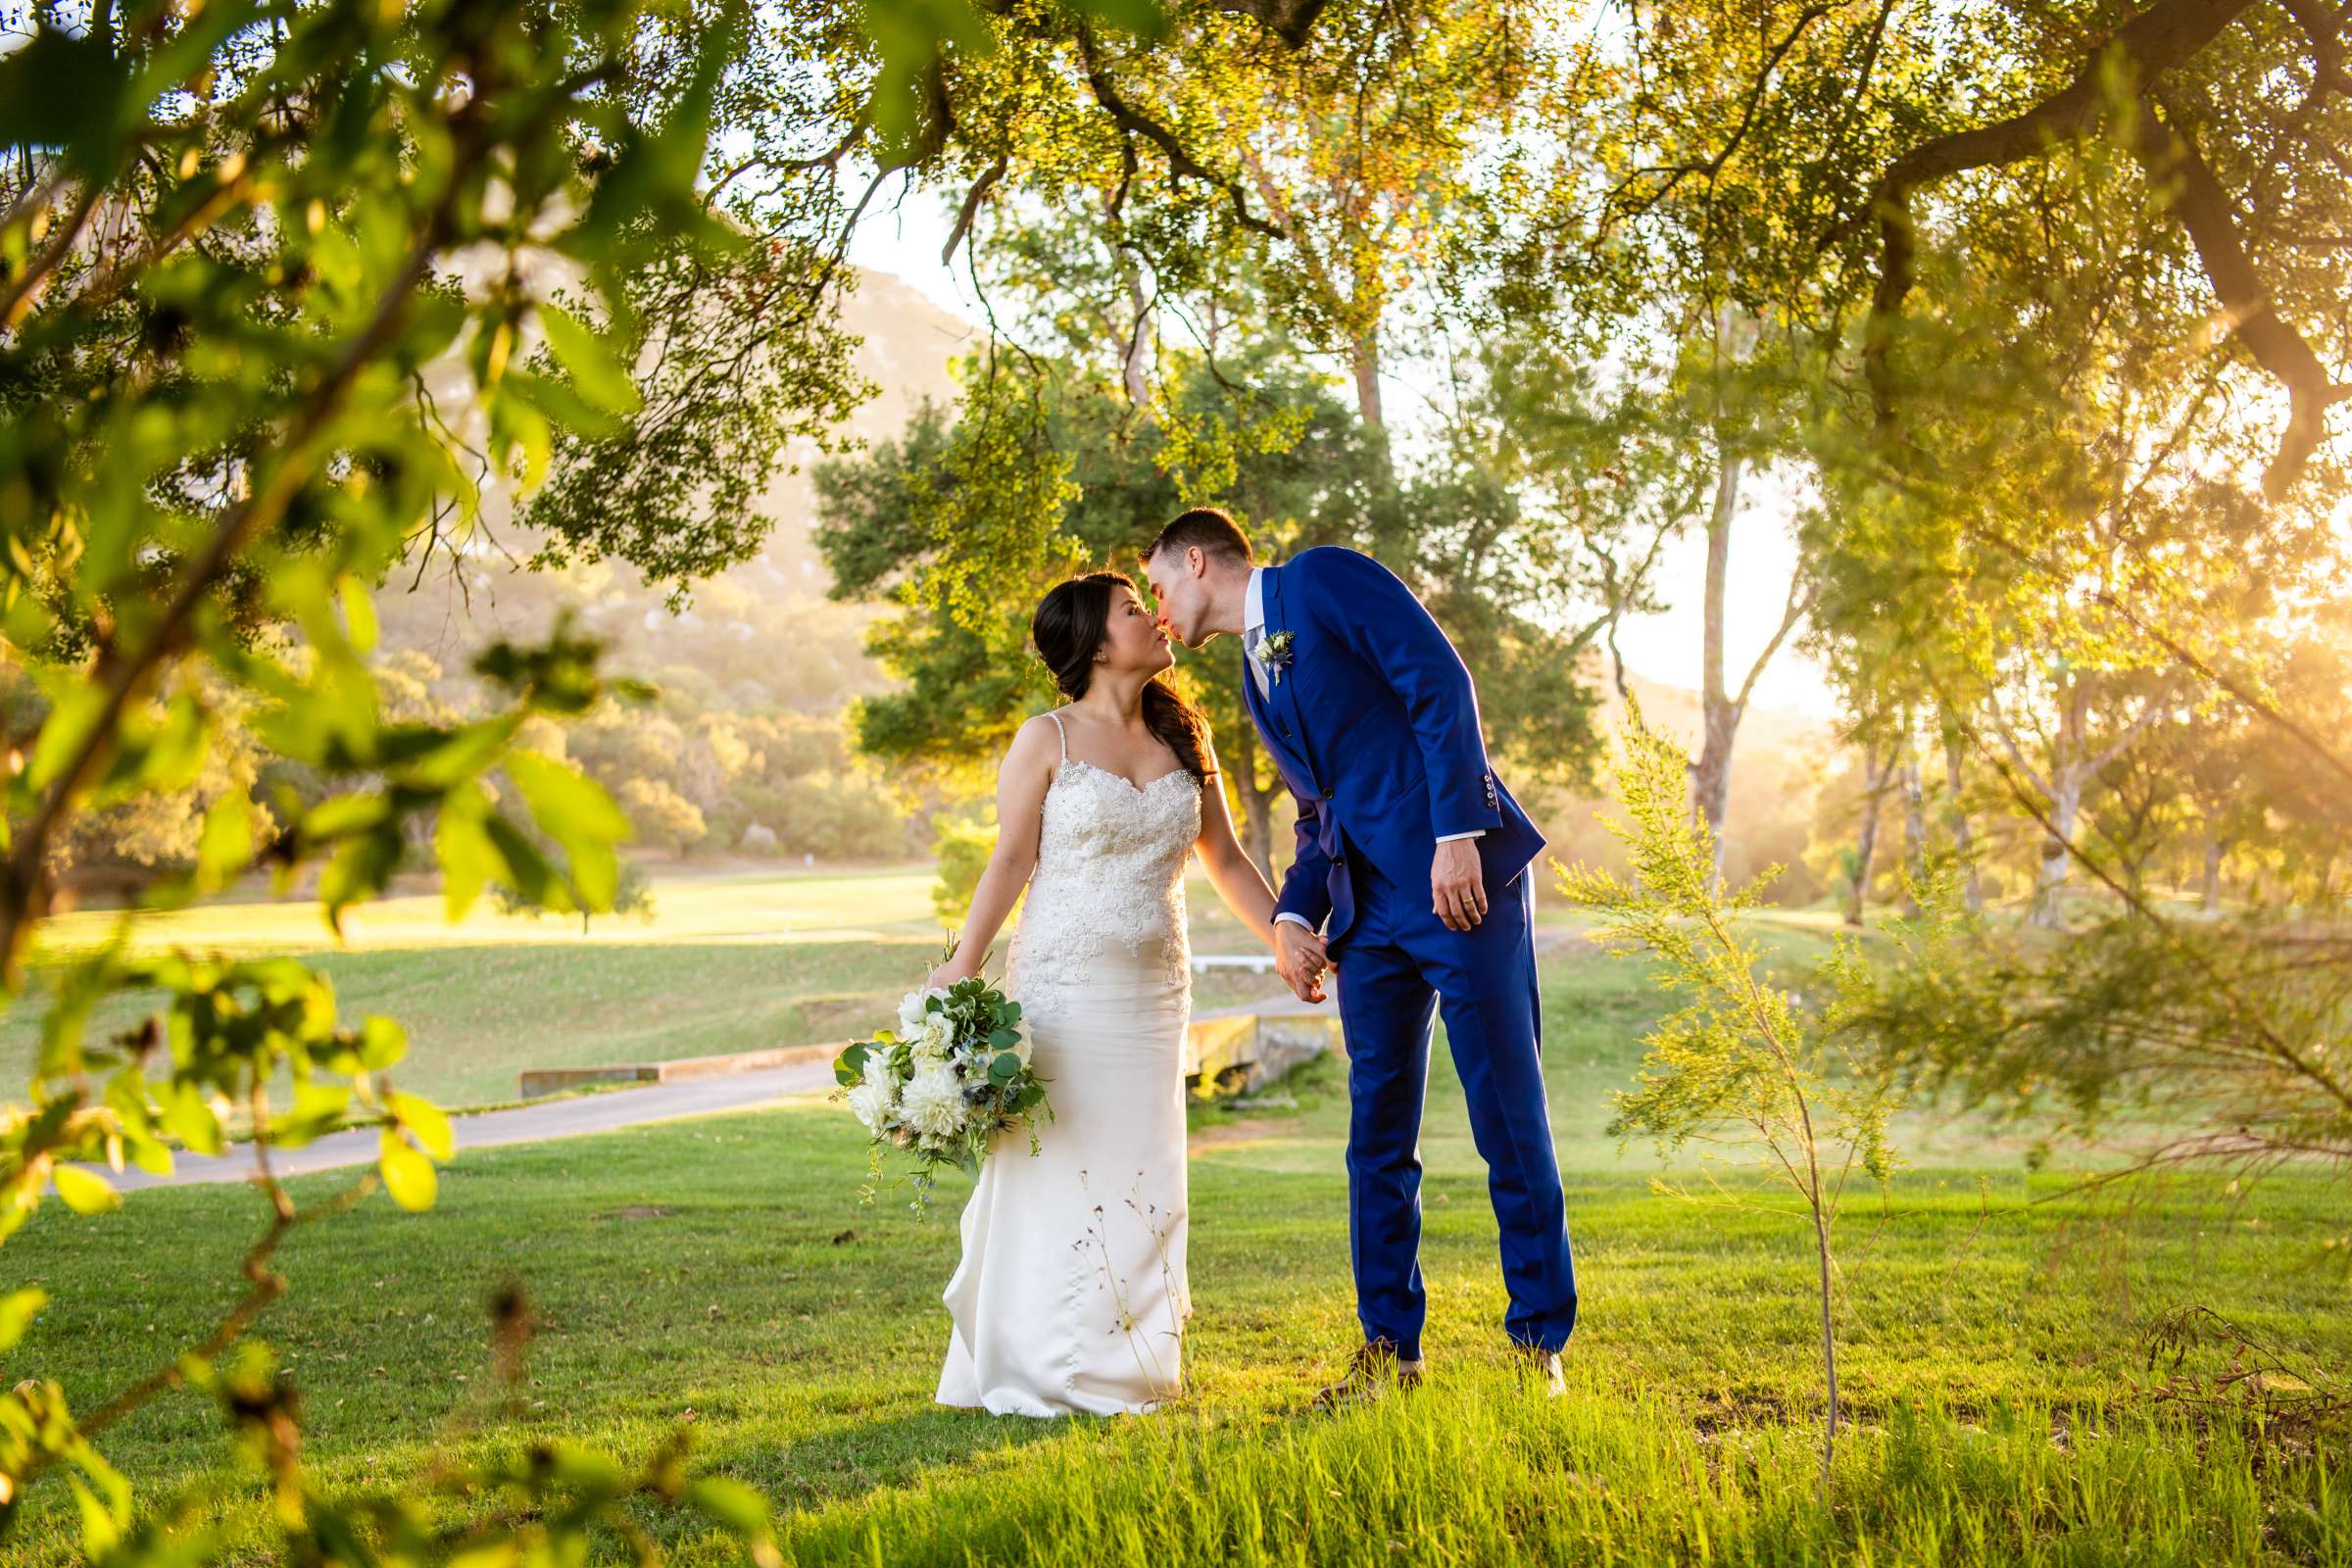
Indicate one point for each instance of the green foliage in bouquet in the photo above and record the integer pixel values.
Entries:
(947, 1082)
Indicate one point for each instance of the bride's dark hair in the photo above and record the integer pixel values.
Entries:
(1068, 628)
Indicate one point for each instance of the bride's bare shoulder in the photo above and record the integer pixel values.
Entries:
(1035, 745)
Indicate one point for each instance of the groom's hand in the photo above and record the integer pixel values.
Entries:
(1299, 960)
(1457, 884)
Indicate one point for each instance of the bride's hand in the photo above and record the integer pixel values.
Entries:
(947, 974)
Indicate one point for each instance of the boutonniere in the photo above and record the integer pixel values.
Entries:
(1274, 653)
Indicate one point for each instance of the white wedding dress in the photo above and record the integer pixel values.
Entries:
(1072, 1294)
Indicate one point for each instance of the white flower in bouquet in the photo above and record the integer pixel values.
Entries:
(870, 1100)
(877, 1070)
(939, 1034)
(933, 1104)
(913, 1009)
(1024, 1045)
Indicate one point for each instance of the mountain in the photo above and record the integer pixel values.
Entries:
(763, 630)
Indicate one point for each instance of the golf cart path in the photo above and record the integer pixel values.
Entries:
(585, 1114)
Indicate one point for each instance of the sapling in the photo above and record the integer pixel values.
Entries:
(1742, 1064)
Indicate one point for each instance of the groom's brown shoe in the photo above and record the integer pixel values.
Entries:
(1375, 1368)
(1539, 1370)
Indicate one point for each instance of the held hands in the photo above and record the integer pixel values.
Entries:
(1299, 960)
(1457, 884)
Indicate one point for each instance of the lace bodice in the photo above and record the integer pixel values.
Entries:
(1111, 860)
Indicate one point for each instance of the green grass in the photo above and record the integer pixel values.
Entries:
(727, 964)
(721, 1274)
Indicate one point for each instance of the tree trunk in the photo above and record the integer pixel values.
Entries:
(1962, 836)
(1915, 830)
(2049, 882)
(2210, 900)
(1875, 769)
(1132, 368)
(1257, 815)
(1829, 1349)
(1363, 359)
(1711, 774)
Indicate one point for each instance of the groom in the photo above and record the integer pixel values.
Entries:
(1413, 870)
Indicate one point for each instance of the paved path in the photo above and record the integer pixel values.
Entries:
(598, 1113)
(525, 1124)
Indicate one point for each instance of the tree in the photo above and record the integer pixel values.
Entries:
(2189, 90)
(247, 362)
(963, 527)
(1738, 1053)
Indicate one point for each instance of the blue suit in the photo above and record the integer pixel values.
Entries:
(1373, 722)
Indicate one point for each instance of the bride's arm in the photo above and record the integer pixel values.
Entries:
(1238, 881)
(1022, 780)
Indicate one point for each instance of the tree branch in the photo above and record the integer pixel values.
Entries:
(1182, 165)
(971, 207)
(1801, 595)
(2197, 197)
(2151, 43)
(1291, 21)
(2149, 712)
(2326, 35)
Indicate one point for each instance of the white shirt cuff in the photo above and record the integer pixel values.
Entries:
(1294, 919)
(1473, 833)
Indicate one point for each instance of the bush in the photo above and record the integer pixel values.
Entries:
(661, 815)
(963, 847)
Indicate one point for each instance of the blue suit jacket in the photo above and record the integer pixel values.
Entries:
(1374, 727)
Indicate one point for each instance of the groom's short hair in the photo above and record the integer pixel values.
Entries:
(1207, 529)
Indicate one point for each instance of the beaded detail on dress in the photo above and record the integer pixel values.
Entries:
(1110, 858)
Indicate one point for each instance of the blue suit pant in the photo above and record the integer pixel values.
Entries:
(1398, 967)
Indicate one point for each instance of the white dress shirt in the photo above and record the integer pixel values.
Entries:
(1253, 626)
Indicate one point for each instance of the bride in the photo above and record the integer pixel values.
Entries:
(1071, 1293)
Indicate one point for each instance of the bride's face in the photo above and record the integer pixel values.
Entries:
(1133, 639)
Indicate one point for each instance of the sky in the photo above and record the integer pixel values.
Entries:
(905, 241)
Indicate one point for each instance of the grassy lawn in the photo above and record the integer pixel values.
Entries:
(733, 963)
(721, 1275)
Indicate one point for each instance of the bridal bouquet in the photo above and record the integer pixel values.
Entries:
(953, 1075)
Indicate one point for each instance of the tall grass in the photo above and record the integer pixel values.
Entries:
(1478, 1473)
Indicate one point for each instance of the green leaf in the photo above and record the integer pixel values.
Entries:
(382, 1042)
(84, 1191)
(317, 1110)
(574, 810)
(561, 796)
(66, 90)
(850, 1067)
(1004, 1039)
(226, 843)
(408, 1175)
(731, 1502)
(594, 366)
(189, 1118)
(18, 1309)
(72, 714)
(359, 613)
(526, 869)
(561, 404)
(1004, 1068)
(426, 1121)
(1144, 18)
(100, 1533)
(463, 848)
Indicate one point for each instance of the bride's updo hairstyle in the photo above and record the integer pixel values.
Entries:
(1068, 628)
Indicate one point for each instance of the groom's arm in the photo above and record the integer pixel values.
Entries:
(1364, 605)
(1306, 886)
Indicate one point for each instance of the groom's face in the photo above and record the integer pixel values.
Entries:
(1180, 588)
